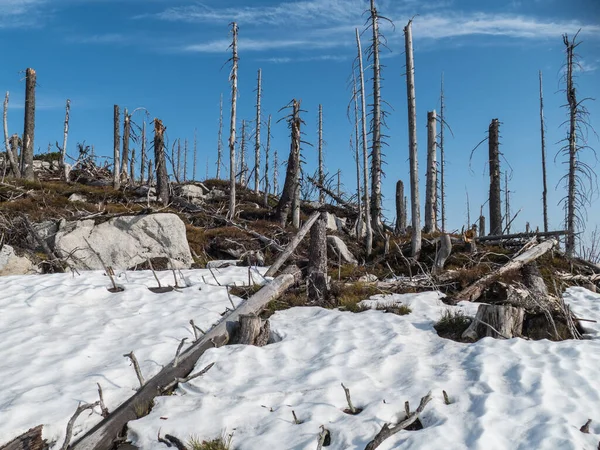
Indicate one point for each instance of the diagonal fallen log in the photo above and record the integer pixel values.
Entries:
(475, 290)
(103, 435)
(292, 245)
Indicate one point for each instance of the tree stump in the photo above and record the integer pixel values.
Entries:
(496, 321)
(317, 261)
(443, 253)
(252, 331)
(30, 440)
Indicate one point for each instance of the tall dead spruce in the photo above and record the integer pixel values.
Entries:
(125, 155)
(320, 150)
(257, 134)
(442, 159)
(495, 197)
(543, 138)
(28, 125)
(116, 148)
(63, 150)
(13, 157)
(162, 178)
(234, 80)
(219, 140)
(291, 184)
(412, 142)
(431, 184)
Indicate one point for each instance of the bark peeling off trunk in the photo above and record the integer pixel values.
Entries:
(496, 321)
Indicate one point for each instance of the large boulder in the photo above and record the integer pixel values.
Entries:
(340, 248)
(12, 264)
(335, 223)
(124, 242)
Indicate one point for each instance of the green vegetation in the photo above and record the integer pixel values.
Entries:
(221, 443)
(452, 324)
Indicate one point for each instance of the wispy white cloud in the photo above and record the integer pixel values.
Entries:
(289, 59)
(20, 13)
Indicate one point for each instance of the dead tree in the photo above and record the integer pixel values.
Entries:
(543, 137)
(243, 156)
(13, 156)
(431, 186)
(257, 134)
(234, 80)
(376, 169)
(400, 208)
(359, 222)
(178, 168)
(363, 121)
(291, 184)
(219, 141)
(132, 166)
(320, 149)
(494, 162)
(275, 174)
(63, 150)
(506, 203)
(116, 149)
(267, 150)
(185, 153)
(412, 143)
(143, 156)
(162, 178)
(317, 285)
(28, 125)
(442, 159)
(125, 155)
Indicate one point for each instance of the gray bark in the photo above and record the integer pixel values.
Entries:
(543, 137)
(400, 208)
(162, 178)
(185, 153)
(275, 174)
(13, 157)
(220, 140)
(321, 171)
(252, 331)
(293, 168)
(257, 134)
(494, 162)
(195, 155)
(431, 185)
(29, 126)
(234, 80)
(365, 146)
(126, 136)
(442, 159)
(317, 285)
(63, 150)
(267, 150)
(243, 156)
(412, 143)
(572, 150)
(359, 223)
(481, 226)
(496, 321)
(144, 156)
(116, 149)
(30, 440)
(376, 169)
(443, 253)
(178, 166)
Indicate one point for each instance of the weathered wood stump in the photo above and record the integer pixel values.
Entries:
(317, 261)
(496, 321)
(253, 331)
(30, 440)
(443, 253)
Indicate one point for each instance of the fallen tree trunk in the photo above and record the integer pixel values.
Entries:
(474, 291)
(103, 435)
(292, 245)
(496, 321)
(506, 237)
(30, 440)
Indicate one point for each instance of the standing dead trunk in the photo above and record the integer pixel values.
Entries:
(13, 157)
(143, 157)
(400, 208)
(14, 145)
(28, 126)
(412, 143)
(116, 149)
(178, 169)
(481, 226)
(293, 167)
(572, 148)
(496, 321)
(359, 222)
(321, 171)
(543, 137)
(195, 155)
(162, 178)
(431, 186)
(220, 140)
(234, 79)
(257, 134)
(442, 159)
(243, 164)
(317, 285)
(275, 174)
(267, 150)
(376, 169)
(125, 155)
(132, 166)
(365, 146)
(506, 203)
(443, 253)
(185, 153)
(63, 150)
(296, 206)
(494, 162)
(150, 174)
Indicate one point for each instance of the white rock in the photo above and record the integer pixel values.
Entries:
(77, 198)
(368, 278)
(11, 264)
(191, 191)
(340, 247)
(335, 223)
(124, 242)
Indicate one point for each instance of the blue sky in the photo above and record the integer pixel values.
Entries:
(168, 57)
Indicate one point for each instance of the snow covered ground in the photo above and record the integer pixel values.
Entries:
(59, 335)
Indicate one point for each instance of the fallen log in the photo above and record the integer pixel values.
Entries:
(30, 440)
(292, 245)
(475, 290)
(506, 237)
(103, 435)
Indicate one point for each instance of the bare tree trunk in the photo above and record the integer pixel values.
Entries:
(185, 153)
(234, 79)
(481, 226)
(63, 150)
(321, 171)
(494, 162)
(14, 145)
(431, 186)
(150, 174)
(243, 156)
(275, 174)
(267, 150)
(317, 285)
(143, 158)
(257, 135)
(376, 127)
(412, 143)
(132, 166)
(116, 149)
(365, 146)
(360, 223)
(296, 206)
(195, 154)
(506, 203)
(543, 132)
(220, 140)
(400, 208)
(13, 157)
(572, 145)
(442, 159)
(293, 168)
(125, 155)
(178, 169)
(29, 126)
(162, 178)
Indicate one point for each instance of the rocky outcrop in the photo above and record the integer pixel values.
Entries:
(12, 264)
(124, 242)
(340, 248)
